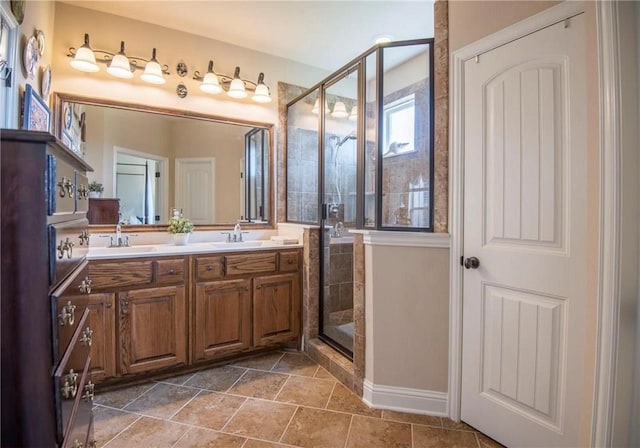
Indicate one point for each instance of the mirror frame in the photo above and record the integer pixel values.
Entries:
(59, 98)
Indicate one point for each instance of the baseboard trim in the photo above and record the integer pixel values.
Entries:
(415, 401)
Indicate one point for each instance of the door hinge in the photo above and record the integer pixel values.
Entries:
(157, 173)
(461, 260)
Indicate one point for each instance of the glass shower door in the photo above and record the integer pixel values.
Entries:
(339, 188)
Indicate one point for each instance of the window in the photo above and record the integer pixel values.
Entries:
(8, 51)
(399, 127)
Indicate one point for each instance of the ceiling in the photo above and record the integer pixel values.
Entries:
(324, 34)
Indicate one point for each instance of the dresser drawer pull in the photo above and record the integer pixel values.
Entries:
(85, 286)
(290, 261)
(70, 388)
(209, 268)
(70, 187)
(88, 388)
(84, 237)
(86, 338)
(65, 246)
(171, 271)
(62, 185)
(77, 444)
(83, 191)
(68, 314)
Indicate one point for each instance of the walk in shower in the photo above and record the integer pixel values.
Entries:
(360, 156)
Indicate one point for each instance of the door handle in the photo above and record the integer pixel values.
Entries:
(471, 263)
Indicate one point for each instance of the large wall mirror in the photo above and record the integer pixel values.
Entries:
(152, 160)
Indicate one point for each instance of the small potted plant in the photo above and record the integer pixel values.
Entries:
(95, 189)
(180, 227)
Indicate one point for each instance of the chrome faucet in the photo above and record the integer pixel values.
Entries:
(118, 240)
(237, 233)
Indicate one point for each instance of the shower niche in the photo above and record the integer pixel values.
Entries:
(360, 156)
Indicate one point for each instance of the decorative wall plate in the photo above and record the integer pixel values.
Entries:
(30, 57)
(67, 114)
(45, 87)
(17, 8)
(40, 39)
(181, 90)
(181, 69)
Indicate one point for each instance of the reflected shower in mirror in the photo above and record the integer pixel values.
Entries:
(153, 160)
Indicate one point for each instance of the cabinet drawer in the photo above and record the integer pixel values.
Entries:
(68, 377)
(115, 275)
(67, 247)
(209, 268)
(77, 428)
(69, 302)
(250, 263)
(170, 271)
(288, 261)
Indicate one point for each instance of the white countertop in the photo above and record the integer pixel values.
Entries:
(158, 250)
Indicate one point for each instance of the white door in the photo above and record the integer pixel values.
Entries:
(195, 189)
(526, 358)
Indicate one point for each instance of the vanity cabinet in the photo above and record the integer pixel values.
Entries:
(276, 309)
(176, 311)
(150, 309)
(152, 329)
(44, 237)
(222, 318)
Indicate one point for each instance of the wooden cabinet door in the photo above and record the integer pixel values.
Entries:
(222, 318)
(276, 309)
(152, 328)
(103, 343)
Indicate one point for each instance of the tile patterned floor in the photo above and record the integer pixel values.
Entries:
(280, 399)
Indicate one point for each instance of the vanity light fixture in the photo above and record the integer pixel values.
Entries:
(153, 71)
(210, 82)
(235, 86)
(118, 64)
(84, 58)
(353, 116)
(120, 67)
(339, 110)
(316, 107)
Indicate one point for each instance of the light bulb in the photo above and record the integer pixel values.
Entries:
(210, 82)
(261, 94)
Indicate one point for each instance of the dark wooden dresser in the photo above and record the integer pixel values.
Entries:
(46, 392)
(104, 211)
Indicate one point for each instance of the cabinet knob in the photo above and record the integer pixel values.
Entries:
(77, 444)
(68, 314)
(209, 268)
(70, 387)
(171, 271)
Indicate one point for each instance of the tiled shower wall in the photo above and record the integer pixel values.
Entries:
(302, 190)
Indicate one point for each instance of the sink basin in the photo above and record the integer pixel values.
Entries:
(114, 251)
(238, 244)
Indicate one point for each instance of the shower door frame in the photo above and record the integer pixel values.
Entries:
(356, 66)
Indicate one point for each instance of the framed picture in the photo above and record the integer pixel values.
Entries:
(36, 115)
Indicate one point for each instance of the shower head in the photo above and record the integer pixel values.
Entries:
(350, 136)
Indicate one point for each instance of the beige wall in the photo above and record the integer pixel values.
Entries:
(37, 16)
(407, 317)
(472, 20)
